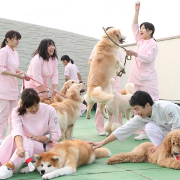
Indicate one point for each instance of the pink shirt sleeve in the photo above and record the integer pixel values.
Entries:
(135, 29)
(54, 127)
(92, 53)
(66, 70)
(54, 78)
(149, 55)
(3, 59)
(36, 69)
(16, 124)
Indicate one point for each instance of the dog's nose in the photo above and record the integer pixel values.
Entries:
(175, 153)
(42, 171)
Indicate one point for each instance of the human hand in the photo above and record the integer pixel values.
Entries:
(97, 145)
(131, 53)
(31, 136)
(26, 76)
(20, 152)
(154, 148)
(45, 94)
(54, 92)
(20, 75)
(137, 6)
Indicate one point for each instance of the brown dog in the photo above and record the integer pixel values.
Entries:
(68, 110)
(104, 66)
(163, 156)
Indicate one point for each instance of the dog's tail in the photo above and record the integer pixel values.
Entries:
(130, 88)
(102, 152)
(99, 96)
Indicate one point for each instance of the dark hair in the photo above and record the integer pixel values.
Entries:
(109, 27)
(67, 58)
(140, 98)
(10, 34)
(42, 49)
(28, 98)
(149, 26)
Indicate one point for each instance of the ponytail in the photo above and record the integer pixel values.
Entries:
(72, 62)
(3, 44)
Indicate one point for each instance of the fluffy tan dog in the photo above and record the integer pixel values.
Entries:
(104, 66)
(163, 156)
(65, 157)
(68, 110)
(58, 97)
(120, 104)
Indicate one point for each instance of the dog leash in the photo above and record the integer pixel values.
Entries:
(46, 87)
(126, 57)
(49, 139)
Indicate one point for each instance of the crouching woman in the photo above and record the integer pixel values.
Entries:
(30, 120)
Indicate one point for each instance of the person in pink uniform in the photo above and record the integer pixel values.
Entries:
(71, 72)
(30, 120)
(43, 67)
(9, 63)
(143, 73)
(99, 119)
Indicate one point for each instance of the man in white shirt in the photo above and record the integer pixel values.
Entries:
(159, 118)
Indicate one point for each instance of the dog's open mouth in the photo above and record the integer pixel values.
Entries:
(82, 90)
(177, 157)
(122, 41)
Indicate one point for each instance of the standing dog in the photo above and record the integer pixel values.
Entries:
(65, 157)
(104, 66)
(69, 109)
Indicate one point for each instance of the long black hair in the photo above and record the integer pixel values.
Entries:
(29, 97)
(42, 49)
(149, 26)
(67, 58)
(10, 34)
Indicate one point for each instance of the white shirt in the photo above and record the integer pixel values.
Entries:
(165, 114)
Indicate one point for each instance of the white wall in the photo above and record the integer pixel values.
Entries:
(167, 64)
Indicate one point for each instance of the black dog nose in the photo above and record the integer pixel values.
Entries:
(175, 153)
(42, 171)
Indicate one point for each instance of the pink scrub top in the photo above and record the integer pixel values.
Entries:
(42, 71)
(71, 71)
(9, 60)
(37, 124)
(143, 72)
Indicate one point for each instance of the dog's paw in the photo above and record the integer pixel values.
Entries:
(25, 170)
(109, 161)
(47, 176)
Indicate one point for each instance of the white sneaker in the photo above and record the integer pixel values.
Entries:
(103, 134)
(141, 137)
(5, 172)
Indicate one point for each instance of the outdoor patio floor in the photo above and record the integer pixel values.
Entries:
(85, 130)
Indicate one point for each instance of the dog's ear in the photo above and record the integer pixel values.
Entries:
(73, 94)
(37, 157)
(167, 143)
(57, 158)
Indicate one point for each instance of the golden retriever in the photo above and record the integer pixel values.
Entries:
(69, 109)
(104, 66)
(163, 156)
(58, 97)
(65, 157)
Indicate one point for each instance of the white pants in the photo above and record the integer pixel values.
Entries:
(155, 133)
(6, 107)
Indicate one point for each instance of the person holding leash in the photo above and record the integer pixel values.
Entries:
(9, 72)
(30, 120)
(143, 73)
(44, 67)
